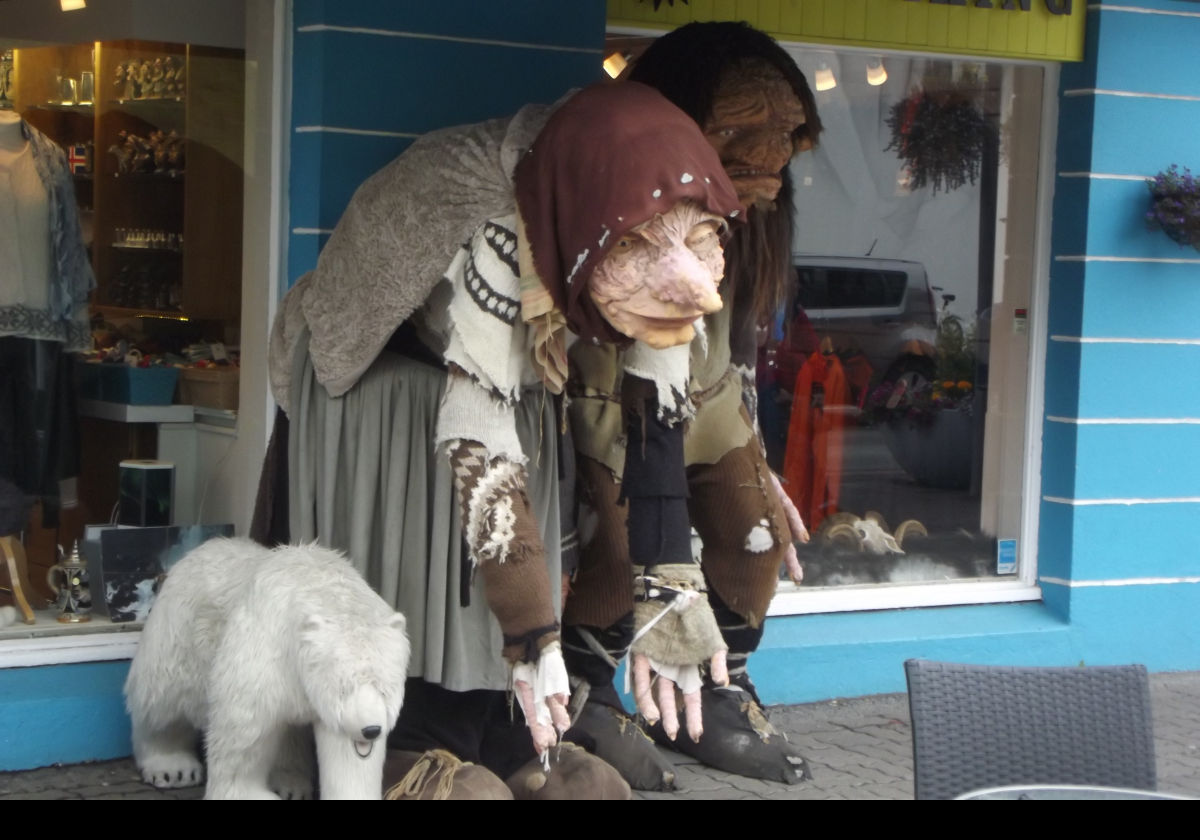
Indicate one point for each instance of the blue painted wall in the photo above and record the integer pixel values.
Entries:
(62, 713)
(1125, 344)
(368, 76)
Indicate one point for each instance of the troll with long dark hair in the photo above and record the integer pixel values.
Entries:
(757, 111)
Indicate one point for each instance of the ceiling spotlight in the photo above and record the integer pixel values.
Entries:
(824, 79)
(72, 5)
(615, 64)
(876, 72)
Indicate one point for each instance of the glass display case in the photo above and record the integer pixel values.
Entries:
(153, 134)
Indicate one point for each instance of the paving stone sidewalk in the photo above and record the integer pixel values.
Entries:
(857, 748)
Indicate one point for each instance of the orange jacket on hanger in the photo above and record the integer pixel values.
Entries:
(812, 465)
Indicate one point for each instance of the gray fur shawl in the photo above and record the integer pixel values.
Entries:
(393, 244)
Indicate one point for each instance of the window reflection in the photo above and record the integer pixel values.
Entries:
(874, 395)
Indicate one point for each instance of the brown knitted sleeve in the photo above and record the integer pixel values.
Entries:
(506, 547)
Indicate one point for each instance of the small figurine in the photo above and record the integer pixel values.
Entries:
(143, 77)
(122, 152)
(133, 88)
(158, 84)
(175, 153)
(169, 76)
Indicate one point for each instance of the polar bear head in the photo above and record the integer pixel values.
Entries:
(353, 673)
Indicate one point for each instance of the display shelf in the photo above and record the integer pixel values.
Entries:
(149, 101)
(113, 311)
(121, 246)
(150, 177)
(125, 413)
(86, 108)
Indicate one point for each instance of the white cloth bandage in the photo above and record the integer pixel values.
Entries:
(686, 677)
(547, 678)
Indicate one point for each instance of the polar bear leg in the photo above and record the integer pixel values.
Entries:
(343, 772)
(239, 761)
(295, 767)
(166, 756)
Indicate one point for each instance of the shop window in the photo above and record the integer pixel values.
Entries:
(893, 382)
(152, 134)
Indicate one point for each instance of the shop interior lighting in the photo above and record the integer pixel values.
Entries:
(824, 78)
(876, 72)
(615, 64)
(72, 5)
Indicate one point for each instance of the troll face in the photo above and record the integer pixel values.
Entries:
(755, 114)
(662, 275)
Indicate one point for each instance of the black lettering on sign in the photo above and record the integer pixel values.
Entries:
(1054, 7)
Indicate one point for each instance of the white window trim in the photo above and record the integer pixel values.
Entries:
(68, 649)
(799, 600)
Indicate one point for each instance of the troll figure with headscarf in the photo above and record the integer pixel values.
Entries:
(600, 223)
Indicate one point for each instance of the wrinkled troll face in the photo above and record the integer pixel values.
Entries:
(754, 116)
(662, 275)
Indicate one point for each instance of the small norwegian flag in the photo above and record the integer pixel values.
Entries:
(77, 158)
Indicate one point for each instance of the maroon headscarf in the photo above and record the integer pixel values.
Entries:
(613, 156)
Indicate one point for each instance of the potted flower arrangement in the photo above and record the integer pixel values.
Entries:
(1175, 205)
(941, 136)
(913, 399)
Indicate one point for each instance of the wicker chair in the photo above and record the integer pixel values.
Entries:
(979, 726)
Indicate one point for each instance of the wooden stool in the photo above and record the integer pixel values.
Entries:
(18, 574)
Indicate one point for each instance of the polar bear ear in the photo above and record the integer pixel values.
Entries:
(313, 624)
(398, 622)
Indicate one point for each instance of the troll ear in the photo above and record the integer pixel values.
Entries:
(398, 622)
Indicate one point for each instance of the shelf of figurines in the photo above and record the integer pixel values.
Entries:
(160, 155)
(146, 79)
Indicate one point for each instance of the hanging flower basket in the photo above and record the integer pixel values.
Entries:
(941, 136)
(1175, 205)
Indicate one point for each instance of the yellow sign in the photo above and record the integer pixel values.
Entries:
(1047, 30)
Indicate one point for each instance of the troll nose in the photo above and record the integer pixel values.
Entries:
(682, 281)
(371, 732)
(699, 285)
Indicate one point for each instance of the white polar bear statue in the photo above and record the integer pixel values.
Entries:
(261, 650)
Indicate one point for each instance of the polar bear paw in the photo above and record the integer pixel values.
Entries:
(291, 784)
(172, 770)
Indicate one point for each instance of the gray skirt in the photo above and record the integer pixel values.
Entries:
(366, 478)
